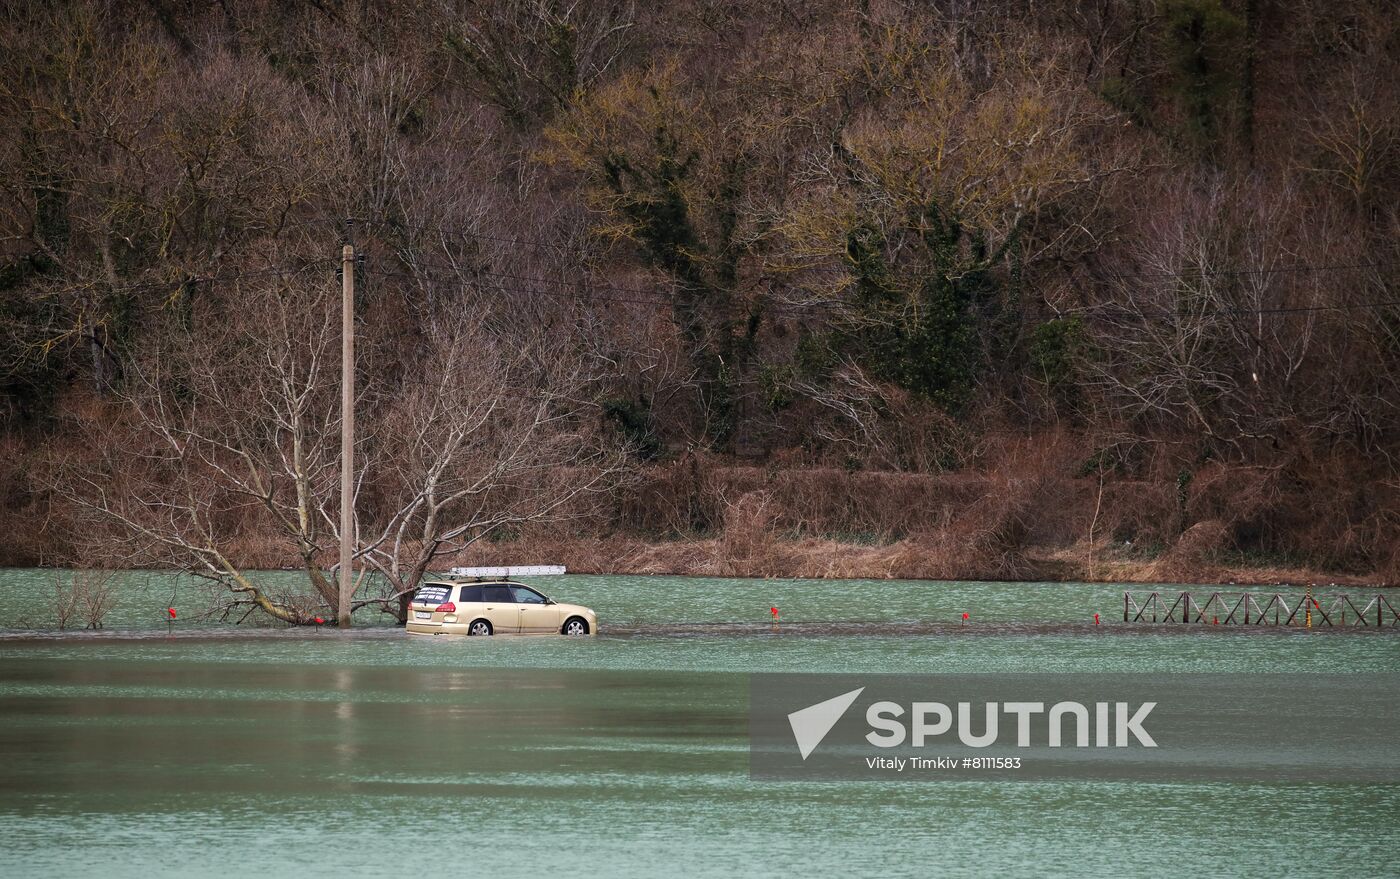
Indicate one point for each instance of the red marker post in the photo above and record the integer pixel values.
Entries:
(965, 616)
(170, 620)
(774, 612)
(1096, 619)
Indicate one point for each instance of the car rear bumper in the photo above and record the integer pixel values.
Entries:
(427, 627)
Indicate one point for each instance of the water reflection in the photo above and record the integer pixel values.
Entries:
(274, 752)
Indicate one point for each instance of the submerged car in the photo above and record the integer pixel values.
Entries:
(470, 602)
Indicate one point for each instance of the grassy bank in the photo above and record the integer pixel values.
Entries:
(764, 554)
(1029, 513)
(911, 559)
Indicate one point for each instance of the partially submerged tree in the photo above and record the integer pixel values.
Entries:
(490, 428)
(218, 434)
(233, 433)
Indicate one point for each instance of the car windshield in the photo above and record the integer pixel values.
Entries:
(433, 593)
(526, 595)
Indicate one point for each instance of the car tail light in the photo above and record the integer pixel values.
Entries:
(449, 607)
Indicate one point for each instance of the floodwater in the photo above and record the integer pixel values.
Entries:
(209, 749)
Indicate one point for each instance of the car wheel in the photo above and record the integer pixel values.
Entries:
(479, 627)
(575, 626)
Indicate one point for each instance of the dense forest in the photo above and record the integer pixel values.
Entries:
(949, 289)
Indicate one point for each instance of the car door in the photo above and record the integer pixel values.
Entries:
(499, 607)
(469, 602)
(537, 615)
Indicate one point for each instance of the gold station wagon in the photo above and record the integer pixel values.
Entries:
(487, 601)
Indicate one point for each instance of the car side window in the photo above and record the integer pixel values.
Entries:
(526, 595)
(498, 593)
(469, 593)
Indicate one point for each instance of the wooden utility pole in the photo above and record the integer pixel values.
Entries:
(347, 430)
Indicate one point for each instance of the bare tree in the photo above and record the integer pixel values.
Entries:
(221, 435)
(490, 430)
(231, 437)
(89, 594)
(1273, 357)
(529, 57)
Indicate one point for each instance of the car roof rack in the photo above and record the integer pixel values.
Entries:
(510, 571)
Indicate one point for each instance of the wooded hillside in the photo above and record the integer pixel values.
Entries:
(896, 288)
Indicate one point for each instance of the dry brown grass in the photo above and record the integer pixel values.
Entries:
(1193, 555)
(1028, 512)
(923, 557)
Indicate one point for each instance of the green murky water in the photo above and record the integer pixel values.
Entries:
(212, 750)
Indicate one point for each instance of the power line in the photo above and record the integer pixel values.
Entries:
(1197, 271)
(467, 233)
(1128, 311)
(600, 285)
(1272, 270)
(558, 293)
(569, 291)
(1185, 275)
(190, 279)
(336, 223)
(1093, 310)
(575, 295)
